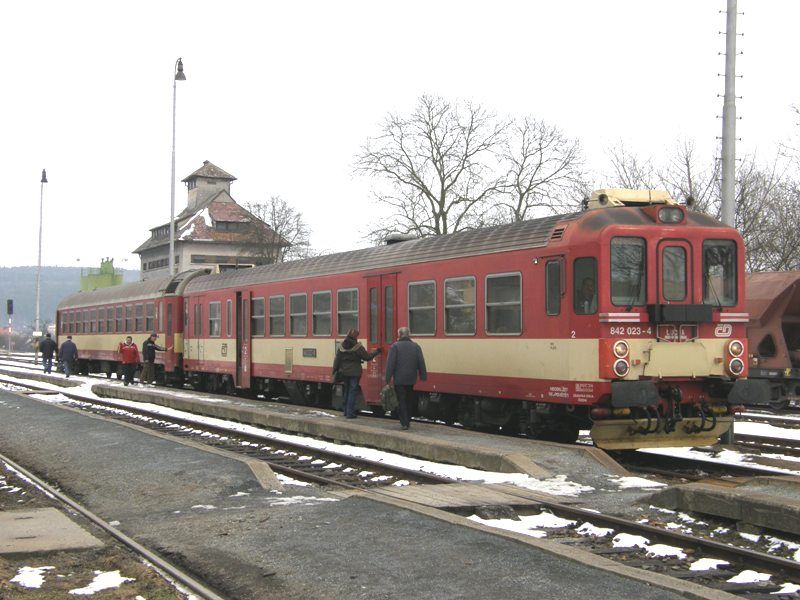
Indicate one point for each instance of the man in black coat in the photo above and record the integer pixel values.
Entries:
(404, 363)
(149, 357)
(68, 354)
(47, 347)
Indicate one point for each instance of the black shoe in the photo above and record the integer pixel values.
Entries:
(404, 427)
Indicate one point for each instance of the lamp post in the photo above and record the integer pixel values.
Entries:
(179, 76)
(39, 267)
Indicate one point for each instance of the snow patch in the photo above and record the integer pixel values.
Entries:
(30, 577)
(589, 529)
(102, 581)
(626, 540)
(749, 576)
(625, 483)
(707, 564)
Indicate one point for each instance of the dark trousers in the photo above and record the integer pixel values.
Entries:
(405, 395)
(148, 372)
(128, 369)
(350, 394)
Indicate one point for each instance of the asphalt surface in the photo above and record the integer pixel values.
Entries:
(209, 514)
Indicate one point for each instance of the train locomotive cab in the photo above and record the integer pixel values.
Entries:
(668, 318)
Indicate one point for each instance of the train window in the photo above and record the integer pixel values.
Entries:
(373, 315)
(119, 319)
(169, 321)
(78, 320)
(719, 272)
(346, 310)
(110, 319)
(277, 315)
(198, 320)
(139, 317)
(459, 306)
(504, 304)
(214, 319)
(93, 320)
(257, 324)
(101, 320)
(321, 313)
(552, 284)
(129, 318)
(584, 284)
(628, 271)
(388, 314)
(673, 273)
(228, 317)
(186, 315)
(160, 319)
(85, 328)
(150, 317)
(422, 308)
(298, 314)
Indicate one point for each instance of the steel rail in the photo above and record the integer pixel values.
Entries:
(162, 565)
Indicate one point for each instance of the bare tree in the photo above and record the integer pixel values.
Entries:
(543, 169)
(685, 177)
(433, 164)
(286, 236)
(629, 170)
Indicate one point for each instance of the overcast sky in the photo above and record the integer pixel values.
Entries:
(283, 95)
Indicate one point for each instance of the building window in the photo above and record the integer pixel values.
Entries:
(346, 310)
(257, 317)
(228, 317)
(298, 314)
(277, 315)
(321, 307)
(422, 308)
(227, 226)
(459, 306)
(504, 304)
(214, 319)
(150, 317)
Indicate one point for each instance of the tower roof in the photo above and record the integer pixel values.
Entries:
(210, 171)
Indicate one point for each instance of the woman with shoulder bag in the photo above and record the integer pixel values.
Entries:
(347, 368)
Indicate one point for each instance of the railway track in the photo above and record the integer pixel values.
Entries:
(295, 460)
(167, 569)
(675, 561)
(317, 466)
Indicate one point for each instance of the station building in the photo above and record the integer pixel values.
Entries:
(213, 231)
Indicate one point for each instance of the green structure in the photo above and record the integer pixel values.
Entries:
(105, 276)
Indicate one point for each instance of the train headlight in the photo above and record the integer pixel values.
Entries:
(736, 366)
(736, 348)
(621, 367)
(621, 349)
(671, 214)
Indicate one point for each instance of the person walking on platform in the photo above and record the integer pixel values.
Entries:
(149, 349)
(404, 364)
(48, 347)
(67, 355)
(129, 356)
(347, 365)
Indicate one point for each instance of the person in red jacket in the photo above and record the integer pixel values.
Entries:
(129, 355)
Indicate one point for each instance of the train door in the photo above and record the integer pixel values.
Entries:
(674, 281)
(243, 341)
(381, 331)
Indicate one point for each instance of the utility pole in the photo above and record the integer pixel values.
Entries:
(729, 121)
(37, 322)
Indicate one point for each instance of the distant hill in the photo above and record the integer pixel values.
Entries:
(19, 284)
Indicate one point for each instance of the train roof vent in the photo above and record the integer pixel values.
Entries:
(558, 233)
(396, 238)
(610, 197)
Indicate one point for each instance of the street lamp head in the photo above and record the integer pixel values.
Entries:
(44, 176)
(179, 76)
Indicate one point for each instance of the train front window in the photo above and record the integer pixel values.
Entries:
(719, 272)
(673, 273)
(628, 271)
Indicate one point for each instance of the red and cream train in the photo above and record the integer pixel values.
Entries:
(626, 318)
